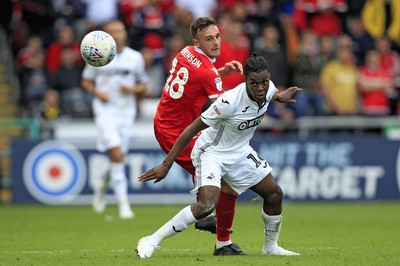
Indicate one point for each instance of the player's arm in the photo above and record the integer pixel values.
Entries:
(160, 171)
(230, 68)
(90, 87)
(208, 103)
(139, 88)
(286, 96)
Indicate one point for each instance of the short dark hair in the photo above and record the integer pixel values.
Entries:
(255, 63)
(200, 24)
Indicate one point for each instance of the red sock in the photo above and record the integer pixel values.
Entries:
(225, 212)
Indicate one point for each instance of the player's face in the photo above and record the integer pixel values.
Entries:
(118, 32)
(209, 41)
(257, 85)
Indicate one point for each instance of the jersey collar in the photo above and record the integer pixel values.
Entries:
(201, 52)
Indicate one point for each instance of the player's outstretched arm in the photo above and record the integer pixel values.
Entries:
(286, 96)
(230, 68)
(159, 172)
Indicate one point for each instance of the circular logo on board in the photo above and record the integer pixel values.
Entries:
(54, 172)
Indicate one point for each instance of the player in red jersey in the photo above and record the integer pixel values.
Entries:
(192, 82)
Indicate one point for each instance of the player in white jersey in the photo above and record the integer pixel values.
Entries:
(114, 106)
(222, 151)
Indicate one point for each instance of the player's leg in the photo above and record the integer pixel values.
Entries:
(209, 167)
(100, 183)
(185, 161)
(272, 194)
(119, 182)
(207, 200)
(225, 213)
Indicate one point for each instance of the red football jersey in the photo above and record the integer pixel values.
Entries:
(192, 80)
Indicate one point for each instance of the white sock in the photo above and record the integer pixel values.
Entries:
(221, 244)
(120, 184)
(272, 228)
(177, 224)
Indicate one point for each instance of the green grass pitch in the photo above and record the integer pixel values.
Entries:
(324, 234)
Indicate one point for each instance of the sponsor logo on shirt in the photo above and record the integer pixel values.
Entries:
(250, 123)
(224, 101)
(211, 176)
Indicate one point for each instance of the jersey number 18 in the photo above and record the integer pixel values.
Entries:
(181, 78)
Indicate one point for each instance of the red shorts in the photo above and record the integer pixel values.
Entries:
(184, 160)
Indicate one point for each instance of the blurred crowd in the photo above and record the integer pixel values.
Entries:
(343, 54)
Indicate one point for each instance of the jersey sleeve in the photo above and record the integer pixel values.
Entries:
(272, 89)
(89, 72)
(141, 74)
(219, 110)
(214, 87)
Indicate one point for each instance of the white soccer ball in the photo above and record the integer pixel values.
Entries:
(98, 48)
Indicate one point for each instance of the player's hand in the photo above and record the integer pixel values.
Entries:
(287, 95)
(126, 89)
(230, 68)
(157, 173)
(103, 96)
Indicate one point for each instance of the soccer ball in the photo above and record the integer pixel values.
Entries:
(98, 48)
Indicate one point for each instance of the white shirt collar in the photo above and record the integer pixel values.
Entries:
(201, 52)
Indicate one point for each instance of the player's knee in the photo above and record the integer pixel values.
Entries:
(203, 208)
(275, 196)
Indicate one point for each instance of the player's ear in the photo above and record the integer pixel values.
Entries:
(195, 43)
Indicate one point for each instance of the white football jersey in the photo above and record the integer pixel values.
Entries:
(233, 119)
(126, 68)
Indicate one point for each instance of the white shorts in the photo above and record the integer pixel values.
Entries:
(113, 131)
(241, 175)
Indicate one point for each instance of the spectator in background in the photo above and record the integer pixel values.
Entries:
(339, 83)
(186, 11)
(322, 17)
(204, 8)
(174, 45)
(156, 71)
(38, 19)
(235, 45)
(291, 34)
(362, 41)
(306, 75)
(381, 17)
(150, 23)
(183, 19)
(49, 108)
(261, 13)
(375, 83)
(68, 12)
(65, 39)
(75, 101)
(34, 46)
(34, 83)
(327, 49)
(269, 47)
(390, 60)
(99, 12)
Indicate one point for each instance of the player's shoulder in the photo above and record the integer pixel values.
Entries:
(128, 51)
(233, 96)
